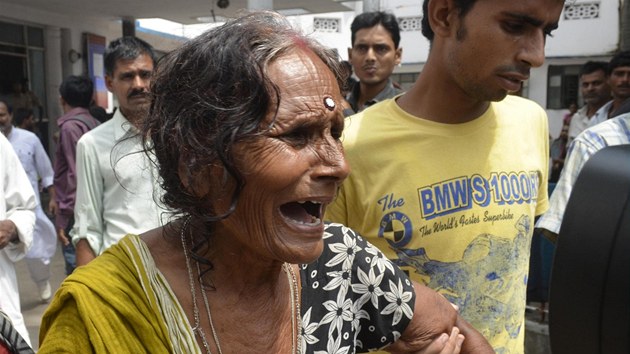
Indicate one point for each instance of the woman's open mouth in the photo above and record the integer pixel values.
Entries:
(303, 212)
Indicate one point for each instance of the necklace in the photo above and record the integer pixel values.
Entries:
(197, 329)
(296, 321)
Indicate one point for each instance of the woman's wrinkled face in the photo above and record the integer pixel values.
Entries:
(294, 169)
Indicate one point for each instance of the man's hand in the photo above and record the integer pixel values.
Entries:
(52, 207)
(8, 233)
(62, 237)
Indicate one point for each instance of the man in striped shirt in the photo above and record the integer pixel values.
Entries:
(615, 131)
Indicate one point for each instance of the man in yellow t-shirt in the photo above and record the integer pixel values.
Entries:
(448, 178)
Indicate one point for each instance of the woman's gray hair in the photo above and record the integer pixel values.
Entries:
(213, 92)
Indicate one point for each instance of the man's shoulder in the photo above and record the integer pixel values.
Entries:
(389, 91)
(99, 135)
(80, 120)
(613, 131)
(85, 118)
(519, 109)
(25, 134)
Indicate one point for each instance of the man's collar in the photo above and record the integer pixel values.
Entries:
(388, 91)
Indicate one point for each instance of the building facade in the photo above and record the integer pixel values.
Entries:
(588, 30)
(43, 47)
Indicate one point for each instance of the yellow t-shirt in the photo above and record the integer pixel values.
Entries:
(453, 204)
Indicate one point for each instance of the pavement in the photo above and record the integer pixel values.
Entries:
(32, 307)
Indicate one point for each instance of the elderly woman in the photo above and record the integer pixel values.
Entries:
(245, 127)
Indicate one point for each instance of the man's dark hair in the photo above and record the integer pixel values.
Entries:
(592, 66)
(126, 48)
(77, 91)
(100, 113)
(9, 107)
(620, 59)
(463, 5)
(20, 115)
(371, 19)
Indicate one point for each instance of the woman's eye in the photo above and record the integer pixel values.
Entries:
(297, 137)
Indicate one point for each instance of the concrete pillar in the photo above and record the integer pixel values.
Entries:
(66, 47)
(260, 4)
(129, 26)
(54, 76)
(625, 26)
(371, 5)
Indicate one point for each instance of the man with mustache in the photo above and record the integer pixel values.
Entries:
(448, 178)
(117, 185)
(600, 133)
(595, 92)
(374, 54)
(619, 82)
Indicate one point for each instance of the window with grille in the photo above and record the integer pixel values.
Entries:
(409, 24)
(327, 25)
(581, 11)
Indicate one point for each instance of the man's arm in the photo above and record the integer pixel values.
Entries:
(46, 174)
(17, 215)
(84, 252)
(433, 316)
(52, 202)
(68, 138)
(550, 222)
(88, 208)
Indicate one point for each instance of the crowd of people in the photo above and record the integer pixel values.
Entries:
(248, 196)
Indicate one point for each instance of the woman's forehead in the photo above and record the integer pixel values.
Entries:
(302, 73)
(308, 89)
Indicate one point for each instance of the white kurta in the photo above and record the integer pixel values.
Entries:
(37, 166)
(117, 186)
(17, 203)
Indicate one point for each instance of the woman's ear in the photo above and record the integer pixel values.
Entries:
(209, 181)
(198, 182)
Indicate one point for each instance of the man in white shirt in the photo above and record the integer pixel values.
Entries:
(619, 82)
(117, 185)
(17, 220)
(595, 92)
(38, 168)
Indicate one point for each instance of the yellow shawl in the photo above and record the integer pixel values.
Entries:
(118, 303)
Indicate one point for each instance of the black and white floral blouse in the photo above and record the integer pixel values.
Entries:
(353, 298)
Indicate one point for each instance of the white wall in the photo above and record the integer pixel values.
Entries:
(572, 39)
(338, 40)
(587, 37)
(415, 46)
